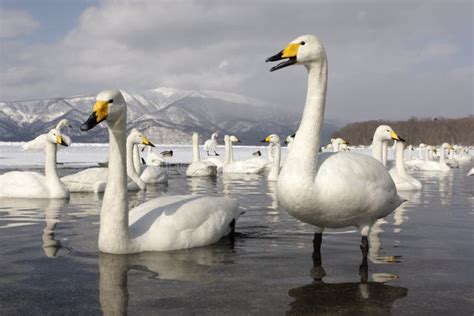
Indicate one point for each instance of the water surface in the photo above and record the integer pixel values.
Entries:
(421, 258)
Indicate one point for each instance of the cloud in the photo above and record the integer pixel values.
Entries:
(386, 59)
(15, 23)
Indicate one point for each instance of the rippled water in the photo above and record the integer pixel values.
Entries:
(421, 258)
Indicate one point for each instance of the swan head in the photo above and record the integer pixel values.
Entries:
(385, 132)
(304, 50)
(447, 146)
(289, 138)
(54, 136)
(63, 123)
(138, 138)
(109, 105)
(234, 139)
(273, 139)
(215, 135)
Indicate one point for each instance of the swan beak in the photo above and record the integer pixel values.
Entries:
(289, 52)
(395, 136)
(265, 140)
(99, 113)
(60, 141)
(147, 142)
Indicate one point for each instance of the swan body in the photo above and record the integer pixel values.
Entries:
(155, 173)
(95, 179)
(413, 163)
(39, 142)
(199, 168)
(274, 140)
(331, 190)
(250, 166)
(431, 165)
(211, 144)
(403, 181)
(161, 224)
(27, 184)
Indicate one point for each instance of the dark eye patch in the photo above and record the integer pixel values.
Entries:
(302, 43)
(111, 101)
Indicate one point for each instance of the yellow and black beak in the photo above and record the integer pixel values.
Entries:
(265, 140)
(145, 141)
(396, 137)
(289, 52)
(60, 141)
(99, 113)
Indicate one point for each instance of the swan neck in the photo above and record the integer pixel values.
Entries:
(50, 161)
(132, 149)
(276, 161)
(113, 234)
(196, 155)
(399, 153)
(377, 149)
(305, 147)
(227, 150)
(136, 158)
(384, 152)
(442, 158)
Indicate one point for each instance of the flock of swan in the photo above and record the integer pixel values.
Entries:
(329, 187)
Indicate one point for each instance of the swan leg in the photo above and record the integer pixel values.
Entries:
(364, 248)
(317, 271)
(208, 152)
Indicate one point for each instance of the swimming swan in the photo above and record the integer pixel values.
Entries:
(27, 184)
(333, 190)
(403, 181)
(39, 142)
(199, 168)
(160, 224)
(95, 179)
(275, 169)
(211, 144)
(238, 166)
(155, 172)
(431, 165)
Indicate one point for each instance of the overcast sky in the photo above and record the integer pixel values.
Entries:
(387, 59)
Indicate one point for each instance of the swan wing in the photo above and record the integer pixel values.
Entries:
(23, 184)
(36, 144)
(180, 222)
(85, 180)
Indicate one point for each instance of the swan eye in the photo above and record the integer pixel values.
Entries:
(111, 101)
(388, 131)
(302, 43)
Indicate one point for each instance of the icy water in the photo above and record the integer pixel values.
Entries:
(421, 259)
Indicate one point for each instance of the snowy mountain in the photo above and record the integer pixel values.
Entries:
(165, 115)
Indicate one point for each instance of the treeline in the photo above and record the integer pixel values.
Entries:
(415, 131)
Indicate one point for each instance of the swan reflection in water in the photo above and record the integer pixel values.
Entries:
(361, 297)
(51, 208)
(183, 265)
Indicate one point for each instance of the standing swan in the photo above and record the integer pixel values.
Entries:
(27, 184)
(331, 190)
(160, 224)
(211, 144)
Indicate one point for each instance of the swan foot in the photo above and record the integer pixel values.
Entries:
(364, 247)
(216, 154)
(364, 271)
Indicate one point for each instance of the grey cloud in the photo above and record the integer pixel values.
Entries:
(387, 59)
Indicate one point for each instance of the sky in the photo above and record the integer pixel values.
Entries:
(388, 59)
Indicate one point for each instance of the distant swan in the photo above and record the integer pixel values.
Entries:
(39, 142)
(331, 190)
(95, 179)
(403, 181)
(160, 224)
(199, 168)
(155, 171)
(238, 166)
(275, 169)
(27, 184)
(211, 144)
(431, 165)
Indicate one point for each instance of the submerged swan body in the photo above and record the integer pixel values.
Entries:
(238, 166)
(331, 190)
(27, 184)
(160, 224)
(95, 179)
(155, 172)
